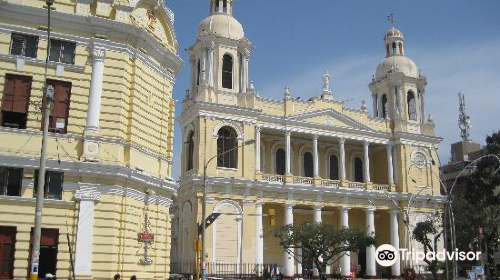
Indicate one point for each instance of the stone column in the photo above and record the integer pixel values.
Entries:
(370, 251)
(259, 237)
(390, 169)
(210, 66)
(257, 149)
(315, 154)
(85, 233)
(375, 107)
(342, 158)
(396, 268)
(288, 263)
(422, 107)
(367, 162)
(203, 67)
(317, 219)
(245, 54)
(94, 109)
(345, 261)
(288, 152)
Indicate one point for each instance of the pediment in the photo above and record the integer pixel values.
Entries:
(330, 117)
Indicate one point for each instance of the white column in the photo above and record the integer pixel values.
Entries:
(257, 148)
(345, 261)
(390, 169)
(375, 107)
(315, 152)
(203, 67)
(299, 263)
(370, 251)
(422, 106)
(94, 110)
(367, 162)
(85, 232)
(317, 219)
(288, 152)
(244, 71)
(342, 158)
(288, 263)
(210, 66)
(259, 237)
(396, 269)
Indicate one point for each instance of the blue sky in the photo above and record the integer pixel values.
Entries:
(456, 43)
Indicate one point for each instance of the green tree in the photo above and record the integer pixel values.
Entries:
(421, 233)
(322, 242)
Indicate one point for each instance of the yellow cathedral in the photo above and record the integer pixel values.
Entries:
(314, 160)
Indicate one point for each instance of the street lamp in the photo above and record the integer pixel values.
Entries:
(204, 205)
(48, 93)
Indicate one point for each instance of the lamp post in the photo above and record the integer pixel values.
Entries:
(48, 93)
(204, 205)
(448, 204)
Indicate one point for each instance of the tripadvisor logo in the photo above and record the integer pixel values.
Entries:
(386, 255)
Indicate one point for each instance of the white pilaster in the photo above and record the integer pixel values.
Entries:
(244, 70)
(315, 152)
(317, 219)
(288, 152)
(342, 158)
(396, 268)
(375, 107)
(259, 237)
(210, 66)
(367, 162)
(257, 148)
(85, 232)
(203, 66)
(370, 251)
(390, 169)
(288, 262)
(422, 107)
(345, 261)
(94, 109)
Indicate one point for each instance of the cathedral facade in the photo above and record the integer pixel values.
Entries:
(264, 163)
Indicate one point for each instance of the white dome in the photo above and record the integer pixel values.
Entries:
(397, 63)
(222, 25)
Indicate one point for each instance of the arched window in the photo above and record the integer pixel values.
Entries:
(308, 165)
(334, 167)
(198, 74)
(412, 108)
(190, 149)
(394, 48)
(227, 71)
(358, 170)
(280, 161)
(385, 108)
(226, 148)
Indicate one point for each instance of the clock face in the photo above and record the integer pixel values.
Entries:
(419, 160)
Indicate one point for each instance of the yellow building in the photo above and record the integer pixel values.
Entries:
(313, 160)
(113, 67)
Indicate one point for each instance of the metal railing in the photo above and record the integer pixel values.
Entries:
(227, 270)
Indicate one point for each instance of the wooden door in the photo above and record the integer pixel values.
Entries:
(7, 248)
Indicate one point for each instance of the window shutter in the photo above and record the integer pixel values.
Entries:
(60, 108)
(16, 93)
(17, 45)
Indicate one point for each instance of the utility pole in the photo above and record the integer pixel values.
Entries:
(47, 98)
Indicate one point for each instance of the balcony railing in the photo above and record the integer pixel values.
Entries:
(273, 178)
(303, 180)
(380, 187)
(356, 185)
(330, 183)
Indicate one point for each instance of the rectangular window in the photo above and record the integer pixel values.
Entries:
(49, 243)
(53, 184)
(15, 101)
(59, 112)
(24, 45)
(11, 181)
(7, 249)
(62, 51)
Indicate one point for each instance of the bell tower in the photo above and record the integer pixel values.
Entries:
(219, 59)
(398, 87)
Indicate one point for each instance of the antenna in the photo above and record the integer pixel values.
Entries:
(463, 119)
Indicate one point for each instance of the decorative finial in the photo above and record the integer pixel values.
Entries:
(463, 120)
(390, 18)
(287, 92)
(251, 85)
(363, 106)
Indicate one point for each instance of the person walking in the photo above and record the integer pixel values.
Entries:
(117, 277)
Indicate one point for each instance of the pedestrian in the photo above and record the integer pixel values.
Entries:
(133, 277)
(117, 277)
